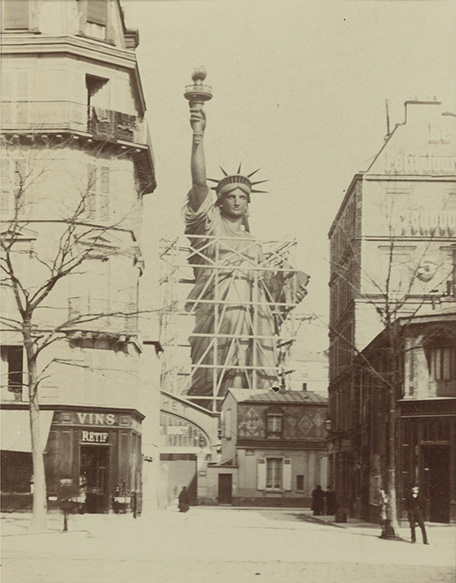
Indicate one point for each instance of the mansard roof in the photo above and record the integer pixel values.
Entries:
(284, 397)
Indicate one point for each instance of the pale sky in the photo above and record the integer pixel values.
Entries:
(299, 90)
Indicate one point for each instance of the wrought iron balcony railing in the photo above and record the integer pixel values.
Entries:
(68, 116)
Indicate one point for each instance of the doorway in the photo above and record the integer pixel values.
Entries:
(225, 488)
(95, 465)
(436, 481)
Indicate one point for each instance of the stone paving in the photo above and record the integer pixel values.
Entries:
(210, 544)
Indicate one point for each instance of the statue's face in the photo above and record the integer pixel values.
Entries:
(234, 204)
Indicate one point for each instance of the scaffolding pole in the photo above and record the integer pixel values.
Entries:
(227, 317)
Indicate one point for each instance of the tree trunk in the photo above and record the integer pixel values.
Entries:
(39, 510)
(391, 485)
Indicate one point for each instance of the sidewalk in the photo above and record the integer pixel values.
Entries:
(355, 525)
(91, 525)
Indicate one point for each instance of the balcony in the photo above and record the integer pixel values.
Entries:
(102, 316)
(67, 116)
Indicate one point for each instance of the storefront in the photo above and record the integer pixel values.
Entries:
(428, 454)
(104, 445)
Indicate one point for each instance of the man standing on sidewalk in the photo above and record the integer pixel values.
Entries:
(415, 505)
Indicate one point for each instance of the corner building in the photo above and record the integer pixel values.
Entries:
(73, 130)
(393, 240)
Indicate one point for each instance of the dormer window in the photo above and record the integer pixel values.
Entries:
(16, 15)
(97, 17)
(274, 423)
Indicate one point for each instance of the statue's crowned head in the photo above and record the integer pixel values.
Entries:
(231, 182)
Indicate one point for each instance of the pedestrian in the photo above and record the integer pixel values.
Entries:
(81, 498)
(331, 501)
(184, 500)
(318, 501)
(415, 504)
(385, 522)
(66, 493)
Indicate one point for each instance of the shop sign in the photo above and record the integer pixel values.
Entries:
(94, 437)
(424, 165)
(95, 419)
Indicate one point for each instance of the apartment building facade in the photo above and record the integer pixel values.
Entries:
(76, 163)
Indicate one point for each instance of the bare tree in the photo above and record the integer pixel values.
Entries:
(48, 235)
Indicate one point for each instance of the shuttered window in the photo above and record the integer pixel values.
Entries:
(98, 192)
(274, 467)
(97, 12)
(261, 474)
(14, 188)
(16, 14)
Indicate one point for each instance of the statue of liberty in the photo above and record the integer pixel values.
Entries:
(238, 306)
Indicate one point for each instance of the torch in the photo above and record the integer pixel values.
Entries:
(198, 93)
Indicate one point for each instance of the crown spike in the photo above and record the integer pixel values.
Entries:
(254, 172)
(213, 180)
(260, 181)
(225, 173)
(239, 169)
(257, 191)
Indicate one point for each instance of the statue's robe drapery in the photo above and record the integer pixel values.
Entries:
(232, 302)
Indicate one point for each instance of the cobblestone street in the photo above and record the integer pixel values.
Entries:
(218, 544)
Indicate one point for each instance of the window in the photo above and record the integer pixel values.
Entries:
(98, 92)
(443, 363)
(15, 96)
(12, 368)
(16, 471)
(97, 12)
(274, 473)
(97, 16)
(16, 14)
(13, 188)
(98, 191)
(274, 423)
(300, 482)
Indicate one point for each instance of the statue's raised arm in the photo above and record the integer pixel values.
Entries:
(197, 94)
(199, 189)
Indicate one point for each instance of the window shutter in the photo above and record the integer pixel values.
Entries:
(6, 206)
(16, 14)
(104, 193)
(91, 196)
(287, 474)
(261, 474)
(97, 11)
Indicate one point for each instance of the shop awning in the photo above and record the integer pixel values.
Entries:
(15, 429)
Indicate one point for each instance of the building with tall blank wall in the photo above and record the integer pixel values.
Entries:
(76, 164)
(393, 246)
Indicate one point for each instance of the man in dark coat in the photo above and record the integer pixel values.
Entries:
(318, 501)
(184, 500)
(415, 504)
